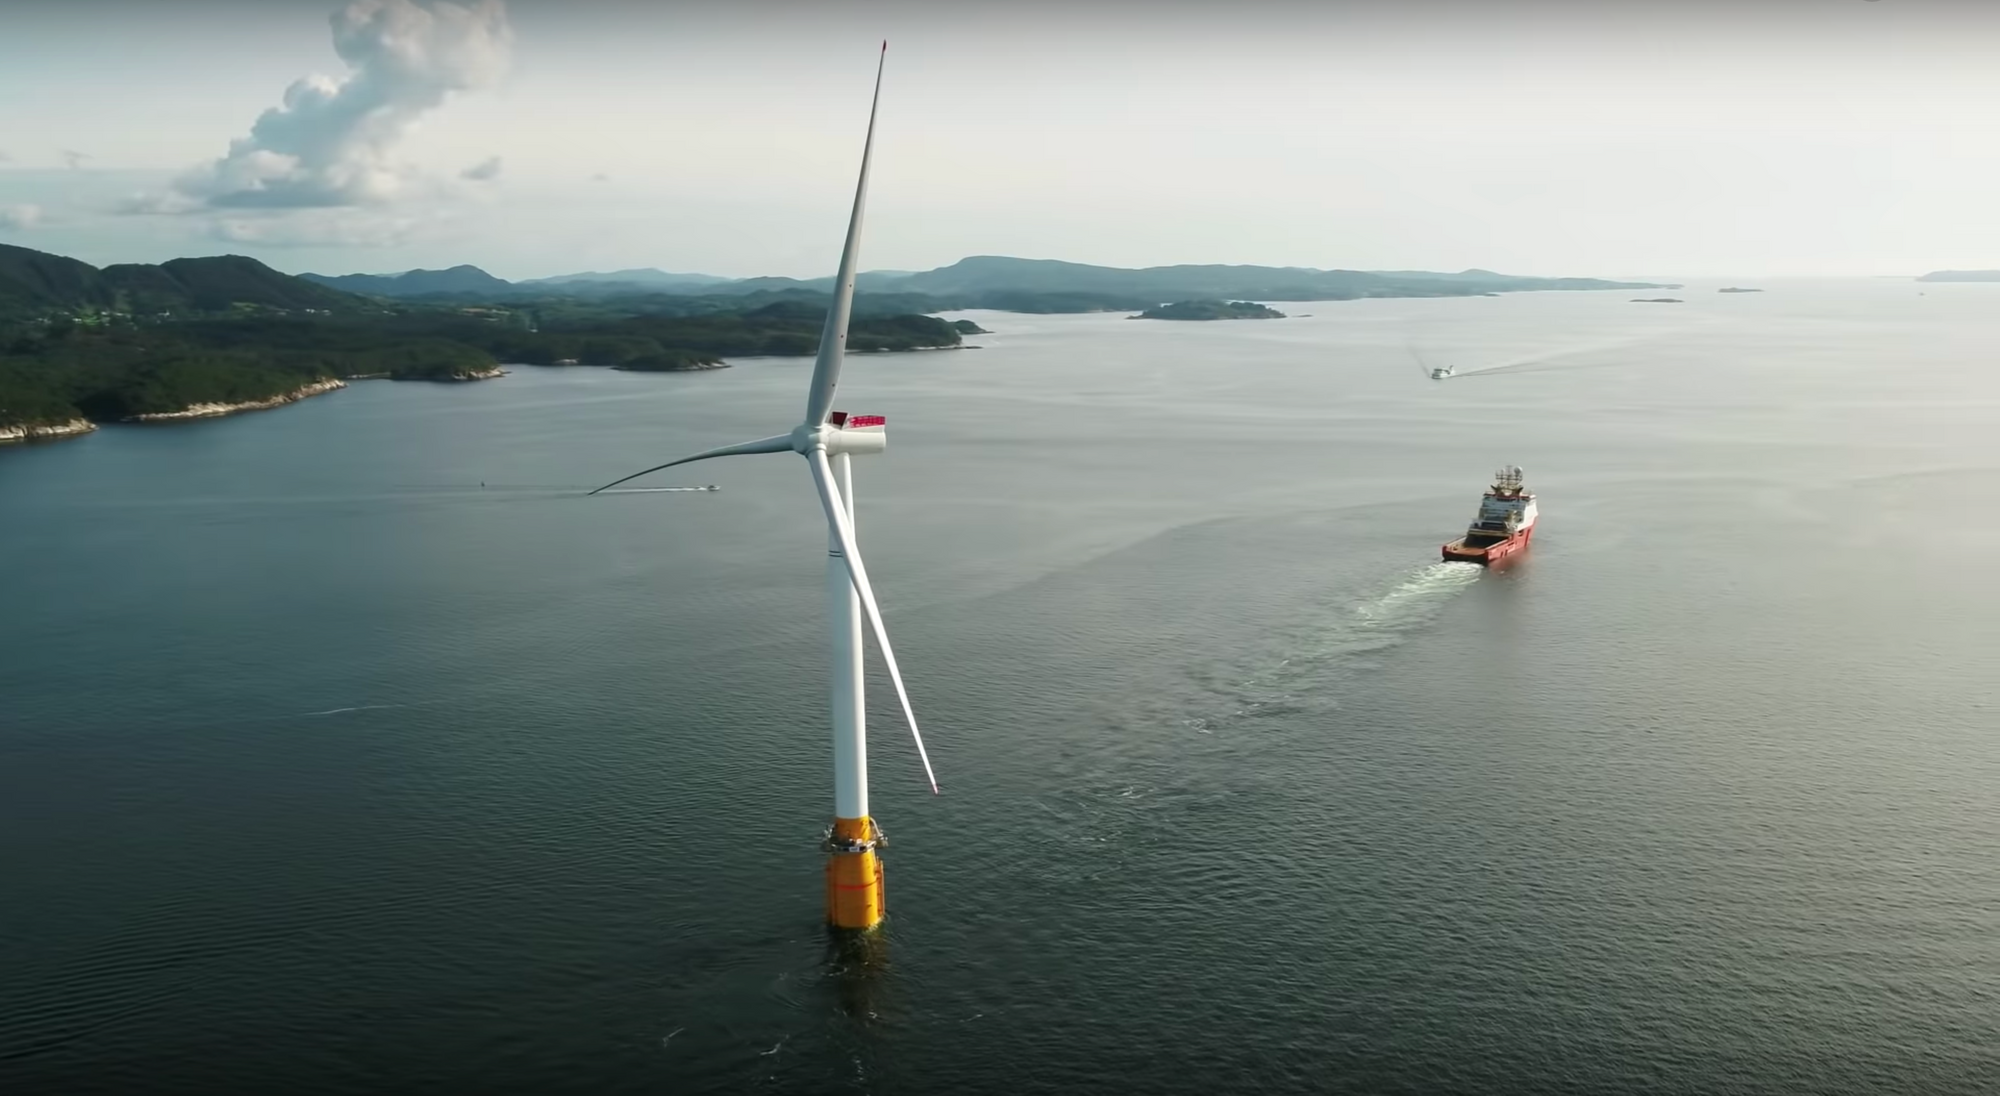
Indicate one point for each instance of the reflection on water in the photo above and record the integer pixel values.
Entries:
(857, 966)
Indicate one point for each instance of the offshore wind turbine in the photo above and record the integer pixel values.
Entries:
(828, 440)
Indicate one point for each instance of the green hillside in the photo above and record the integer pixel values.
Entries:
(33, 281)
(36, 283)
(462, 280)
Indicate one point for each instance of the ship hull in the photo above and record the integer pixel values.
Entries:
(1492, 554)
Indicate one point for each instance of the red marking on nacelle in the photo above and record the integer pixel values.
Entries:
(854, 421)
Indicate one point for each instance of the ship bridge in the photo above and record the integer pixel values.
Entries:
(1505, 508)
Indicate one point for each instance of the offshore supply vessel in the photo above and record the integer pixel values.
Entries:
(1504, 525)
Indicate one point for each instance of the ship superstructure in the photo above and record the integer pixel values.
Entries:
(1504, 525)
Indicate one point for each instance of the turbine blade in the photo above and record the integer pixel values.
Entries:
(781, 443)
(843, 530)
(833, 337)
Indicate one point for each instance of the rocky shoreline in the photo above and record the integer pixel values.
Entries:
(45, 431)
(216, 410)
(694, 368)
(77, 427)
(486, 374)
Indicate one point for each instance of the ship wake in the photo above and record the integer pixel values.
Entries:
(1342, 637)
(1417, 598)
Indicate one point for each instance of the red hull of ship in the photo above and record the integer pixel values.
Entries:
(1492, 554)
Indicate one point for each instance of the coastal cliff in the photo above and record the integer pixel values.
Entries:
(216, 410)
(45, 431)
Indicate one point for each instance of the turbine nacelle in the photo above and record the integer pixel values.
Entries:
(853, 435)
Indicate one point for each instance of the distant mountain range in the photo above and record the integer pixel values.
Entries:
(993, 281)
(35, 280)
(457, 281)
(646, 276)
(470, 281)
(1961, 276)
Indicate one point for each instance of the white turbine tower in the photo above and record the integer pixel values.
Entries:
(827, 439)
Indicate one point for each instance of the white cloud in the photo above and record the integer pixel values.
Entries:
(20, 218)
(484, 171)
(332, 143)
(143, 204)
(315, 228)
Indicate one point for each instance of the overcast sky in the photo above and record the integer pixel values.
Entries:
(1683, 137)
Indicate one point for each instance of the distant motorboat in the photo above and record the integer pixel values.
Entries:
(1436, 373)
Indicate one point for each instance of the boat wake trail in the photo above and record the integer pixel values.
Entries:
(356, 708)
(1417, 598)
(1588, 355)
(1384, 620)
(1340, 640)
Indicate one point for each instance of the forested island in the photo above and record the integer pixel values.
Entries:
(81, 345)
(1737, 289)
(201, 337)
(1211, 310)
(1657, 300)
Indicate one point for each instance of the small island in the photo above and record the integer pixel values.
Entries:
(967, 327)
(1961, 276)
(1737, 289)
(1211, 310)
(1656, 300)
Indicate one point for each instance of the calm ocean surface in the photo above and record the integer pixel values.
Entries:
(325, 769)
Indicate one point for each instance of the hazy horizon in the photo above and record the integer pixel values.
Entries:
(1691, 140)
